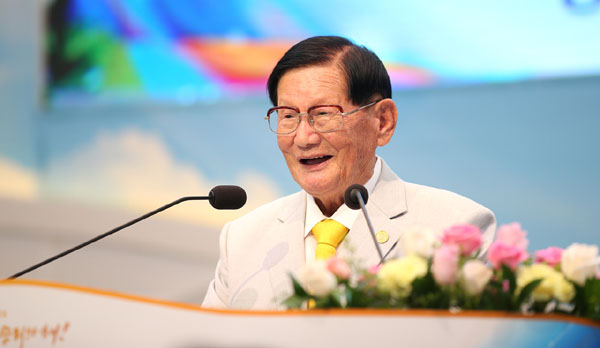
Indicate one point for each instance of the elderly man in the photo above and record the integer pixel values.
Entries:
(332, 109)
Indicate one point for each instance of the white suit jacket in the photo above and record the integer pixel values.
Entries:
(259, 250)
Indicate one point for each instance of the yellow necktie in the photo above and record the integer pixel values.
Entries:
(328, 233)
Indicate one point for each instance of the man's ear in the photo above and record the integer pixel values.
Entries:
(388, 116)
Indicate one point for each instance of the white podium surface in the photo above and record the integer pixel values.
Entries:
(39, 314)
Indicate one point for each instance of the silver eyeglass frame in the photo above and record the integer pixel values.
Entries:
(310, 118)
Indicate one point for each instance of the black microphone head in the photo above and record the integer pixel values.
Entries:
(227, 197)
(350, 196)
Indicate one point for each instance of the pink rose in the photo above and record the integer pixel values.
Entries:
(551, 256)
(501, 253)
(445, 264)
(512, 234)
(467, 237)
(338, 267)
(374, 269)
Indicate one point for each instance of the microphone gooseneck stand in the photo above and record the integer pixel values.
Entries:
(220, 197)
(97, 238)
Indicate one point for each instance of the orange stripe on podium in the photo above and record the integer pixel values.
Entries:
(313, 312)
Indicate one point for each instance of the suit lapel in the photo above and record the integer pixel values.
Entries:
(287, 236)
(385, 206)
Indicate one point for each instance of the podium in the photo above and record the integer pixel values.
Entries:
(41, 314)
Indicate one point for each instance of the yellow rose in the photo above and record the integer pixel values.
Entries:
(553, 285)
(564, 291)
(395, 276)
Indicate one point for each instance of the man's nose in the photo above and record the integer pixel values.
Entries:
(305, 134)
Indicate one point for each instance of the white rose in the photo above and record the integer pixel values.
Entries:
(579, 262)
(419, 241)
(316, 279)
(475, 275)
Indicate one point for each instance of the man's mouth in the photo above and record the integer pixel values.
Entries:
(315, 160)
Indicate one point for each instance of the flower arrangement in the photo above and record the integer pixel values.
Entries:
(450, 273)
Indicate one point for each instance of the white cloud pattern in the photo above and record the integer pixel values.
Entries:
(17, 181)
(133, 169)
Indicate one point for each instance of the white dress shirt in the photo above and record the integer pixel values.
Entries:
(343, 215)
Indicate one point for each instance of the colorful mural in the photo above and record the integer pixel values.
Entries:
(187, 51)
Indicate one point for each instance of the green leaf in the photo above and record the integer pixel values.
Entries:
(294, 302)
(426, 293)
(591, 293)
(334, 300)
(349, 294)
(527, 290)
(580, 300)
(494, 297)
(298, 289)
(329, 301)
(509, 275)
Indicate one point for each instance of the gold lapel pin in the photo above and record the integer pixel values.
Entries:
(382, 237)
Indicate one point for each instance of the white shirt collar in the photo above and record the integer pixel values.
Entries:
(343, 215)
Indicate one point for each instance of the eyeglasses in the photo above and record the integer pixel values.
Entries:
(322, 118)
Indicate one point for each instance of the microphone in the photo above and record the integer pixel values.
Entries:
(353, 194)
(220, 197)
(356, 197)
(227, 197)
